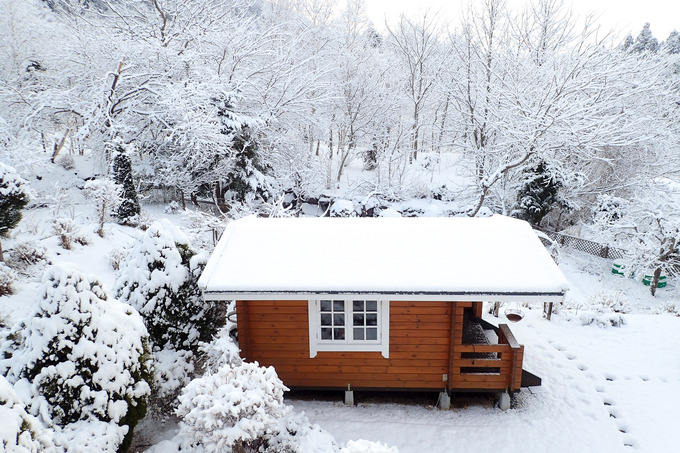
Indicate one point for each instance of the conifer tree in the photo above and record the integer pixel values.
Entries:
(672, 44)
(538, 195)
(645, 42)
(13, 198)
(122, 175)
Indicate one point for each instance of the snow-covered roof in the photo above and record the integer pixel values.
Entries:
(497, 257)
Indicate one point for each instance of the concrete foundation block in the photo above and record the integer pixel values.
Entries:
(444, 401)
(349, 397)
(504, 401)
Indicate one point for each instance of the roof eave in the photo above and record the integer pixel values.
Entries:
(425, 296)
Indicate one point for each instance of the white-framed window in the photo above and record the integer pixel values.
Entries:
(341, 324)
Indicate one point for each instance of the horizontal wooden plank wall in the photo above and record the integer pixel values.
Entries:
(275, 333)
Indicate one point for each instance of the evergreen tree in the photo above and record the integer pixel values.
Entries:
(672, 44)
(538, 195)
(628, 42)
(159, 277)
(13, 198)
(645, 42)
(122, 175)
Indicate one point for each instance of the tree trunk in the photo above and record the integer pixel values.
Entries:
(2, 255)
(655, 281)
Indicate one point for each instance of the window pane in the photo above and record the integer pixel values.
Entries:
(338, 334)
(358, 319)
(326, 334)
(325, 305)
(372, 319)
(358, 305)
(371, 305)
(338, 319)
(359, 333)
(326, 319)
(371, 333)
(338, 305)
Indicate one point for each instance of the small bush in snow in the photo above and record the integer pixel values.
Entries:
(19, 430)
(295, 434)
(172, 208)
(67, 233)
(610, 301)
(27, 254)
(232, 409)
(7, 278)
(67, 162)
(116, 256)
(343, 208)
(106, 196)
(367, 446)
(82, 355)
(671, 308)
(159, 278)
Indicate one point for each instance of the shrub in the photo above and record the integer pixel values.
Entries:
(233, 409)
(67, 162)
(13, 198)
(83, 354)
(27, 254)
(121, 173)
(172, 371)
(610, 301)
(159, 278)
(343, 208)
(7, 277)
(20, 431)
(106, 196)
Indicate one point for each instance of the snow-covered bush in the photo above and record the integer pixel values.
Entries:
(14, 197)
(19, 430)
(222, 350)
(67, 232)
(67, 162)
(86, 436)
(295, 434)
(172, 208)
(343, 208)
(159, 278)
(233, 408)
(671, 308)
(106, 196)
(82, 355)
(606, 309)
(26, 254)
(116, 256)
(172, 371)
(367, 446)
(7, 278)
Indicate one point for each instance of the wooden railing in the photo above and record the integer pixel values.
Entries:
(489, 366)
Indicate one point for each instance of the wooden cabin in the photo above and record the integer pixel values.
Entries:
(381, 303)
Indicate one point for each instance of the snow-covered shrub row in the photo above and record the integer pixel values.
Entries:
(233, 408)
(81, 356)
(159, 278)
(7, 278)
(19, 430)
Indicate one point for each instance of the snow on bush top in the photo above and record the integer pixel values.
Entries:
(235, 406)
(81, 353)
(11, 184)
(19, 430)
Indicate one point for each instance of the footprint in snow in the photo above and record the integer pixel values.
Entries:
(570, 356)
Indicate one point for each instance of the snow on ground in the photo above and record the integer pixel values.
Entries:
(604, 389)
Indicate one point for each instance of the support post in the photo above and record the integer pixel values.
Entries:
(349, 396)
(444, 401)
(547, 310)
(504, 401)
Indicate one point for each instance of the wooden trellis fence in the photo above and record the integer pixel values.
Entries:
(584, 245)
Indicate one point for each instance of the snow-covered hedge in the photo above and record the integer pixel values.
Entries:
(82, 356)
(233, 408)
(159, 278)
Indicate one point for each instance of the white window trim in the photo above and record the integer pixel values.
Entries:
(382, 345)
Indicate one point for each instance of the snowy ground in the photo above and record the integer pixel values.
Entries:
(604, 389)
